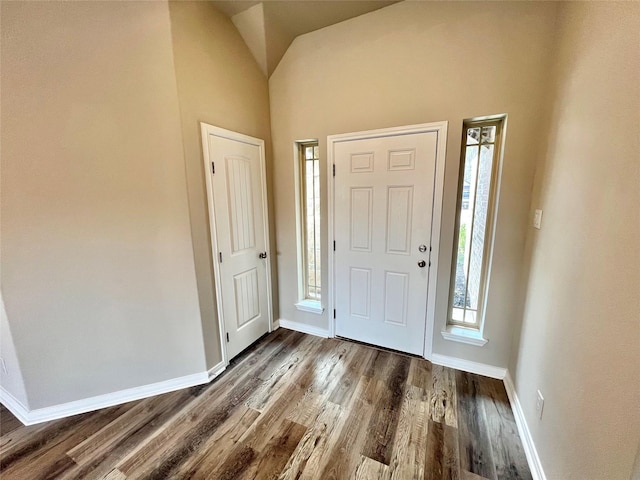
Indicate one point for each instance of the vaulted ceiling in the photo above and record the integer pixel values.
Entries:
(269, 27)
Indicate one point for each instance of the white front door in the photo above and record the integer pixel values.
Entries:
(237, 209)
(383, 203)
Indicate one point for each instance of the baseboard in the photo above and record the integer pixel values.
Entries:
(216, 370)
(469, 366)
(14, 405)
(304, 328)
(502, 374)
(39, 415)
(523, 429)
(275, 325)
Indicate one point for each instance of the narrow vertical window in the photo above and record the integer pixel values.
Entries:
(309, 226)
(475, 211)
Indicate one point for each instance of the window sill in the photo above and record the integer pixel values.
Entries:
(469, 336)
(310, 306)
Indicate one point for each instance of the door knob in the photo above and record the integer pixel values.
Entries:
(422, 264)
(263, 255)
(422, 248)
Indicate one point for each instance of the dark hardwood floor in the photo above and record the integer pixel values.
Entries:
(292, 407)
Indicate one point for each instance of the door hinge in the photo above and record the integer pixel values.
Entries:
(334, 245)
(334, 313)
(213, 168)
(220, 256)
(227, 337)
(334, 169)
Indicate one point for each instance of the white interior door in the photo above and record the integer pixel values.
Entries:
(383, 205)
(236, 190)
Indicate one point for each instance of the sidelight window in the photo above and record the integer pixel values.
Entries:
(477, 189)
(308, 180)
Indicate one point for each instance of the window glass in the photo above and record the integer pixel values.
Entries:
(475, 210)
(310, 169)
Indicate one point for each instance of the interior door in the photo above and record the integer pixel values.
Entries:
(236, 189)
(384, 191)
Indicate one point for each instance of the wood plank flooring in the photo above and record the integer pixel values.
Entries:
(291, 407)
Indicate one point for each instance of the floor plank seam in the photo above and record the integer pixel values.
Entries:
(291, 407)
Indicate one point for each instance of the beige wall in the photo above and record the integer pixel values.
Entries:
(416, 62)
(11, 380)
(97, 264)
(251, 26)
(219, 83)
(580, 342)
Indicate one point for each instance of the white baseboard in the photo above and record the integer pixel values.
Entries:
(523, 429)
(14, 405)
(275, 325)
(304, 328)
(216, 370)
(469, 366)
(39, 415)
(502, 374)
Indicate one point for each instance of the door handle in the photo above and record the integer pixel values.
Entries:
(262, 255)
(422, 264)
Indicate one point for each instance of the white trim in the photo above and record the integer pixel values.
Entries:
(207, 130)
(275, 325)
(469, 366)
(469, 336)
(299, 225)
(436, 223)
(436, 218)
(493, 224)
(330, 236)
(216, 370)
(14, 405)
(300, 220)
(304, 328)
(39, 415)
(311, 306)
(523, 429)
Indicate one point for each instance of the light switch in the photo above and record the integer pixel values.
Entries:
(537, 219)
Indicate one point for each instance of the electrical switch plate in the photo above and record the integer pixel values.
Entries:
(537, 219)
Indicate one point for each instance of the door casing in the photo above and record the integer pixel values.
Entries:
(207, 130)
(440, 128)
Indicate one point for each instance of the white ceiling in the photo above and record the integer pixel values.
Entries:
(283, 20)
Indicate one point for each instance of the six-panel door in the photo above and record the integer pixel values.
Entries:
(384, 191)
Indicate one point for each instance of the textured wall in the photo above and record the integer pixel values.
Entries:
(219, 83)
(98, 273)
(416, 62)
(580, 342)
(10, 372)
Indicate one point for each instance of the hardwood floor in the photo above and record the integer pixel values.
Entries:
(292, 407)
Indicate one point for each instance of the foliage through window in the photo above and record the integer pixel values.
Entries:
(476, 204)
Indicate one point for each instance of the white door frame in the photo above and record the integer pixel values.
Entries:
(440, 128)
(207, 130)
